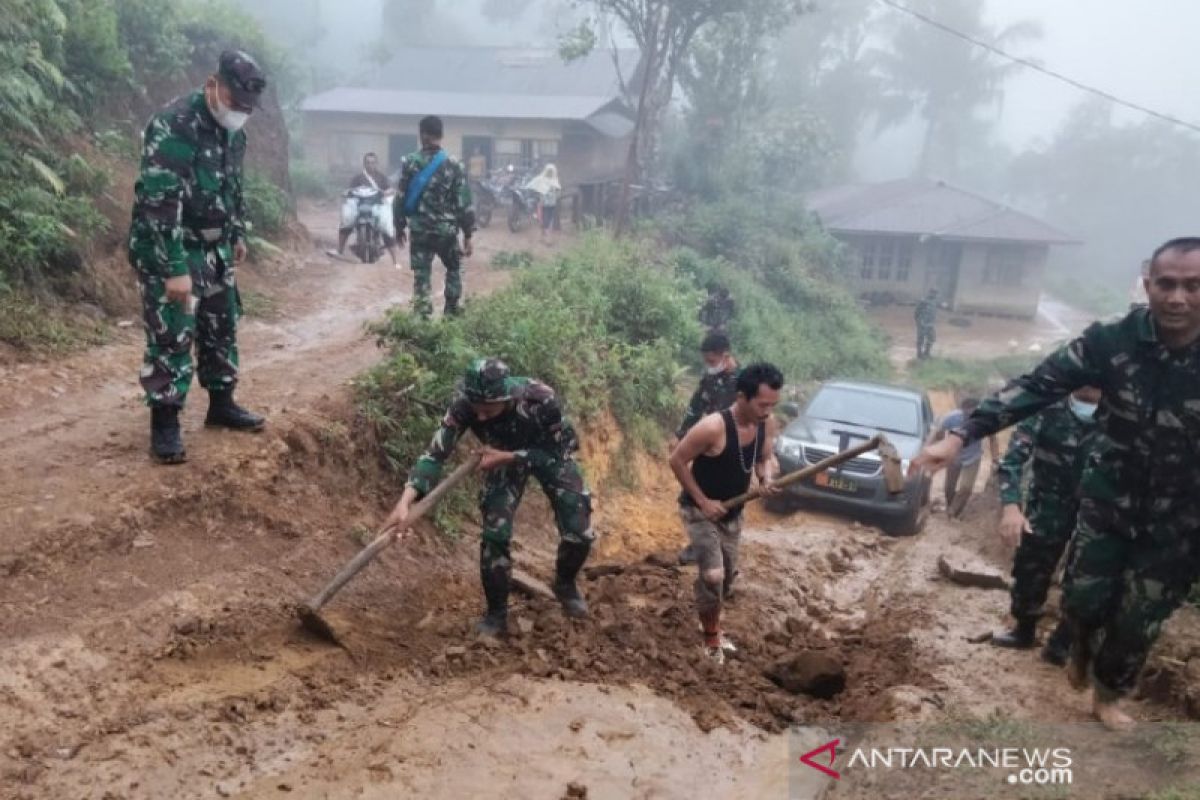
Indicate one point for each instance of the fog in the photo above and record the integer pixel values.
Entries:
(1108, 175)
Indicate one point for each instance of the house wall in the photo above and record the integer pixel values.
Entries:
(983, 284)
(336, 142)
(1007, 294)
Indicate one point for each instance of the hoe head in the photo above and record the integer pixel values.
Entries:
(893, 473)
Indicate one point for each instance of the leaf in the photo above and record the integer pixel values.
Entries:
(48, 175)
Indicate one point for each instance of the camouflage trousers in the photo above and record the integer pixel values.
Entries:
(1120, 589)
(421, 252)
(167, 368)
(926, 336)
(561, 480)
(716, 545)
(1051, 521)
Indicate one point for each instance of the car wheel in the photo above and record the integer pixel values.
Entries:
(911, 523)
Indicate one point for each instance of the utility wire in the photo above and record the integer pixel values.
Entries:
(1033, 65)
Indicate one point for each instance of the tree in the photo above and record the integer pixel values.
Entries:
(664, 31)
(1122, 189)
(946, 80)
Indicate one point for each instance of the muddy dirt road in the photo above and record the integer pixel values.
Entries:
(149, 649)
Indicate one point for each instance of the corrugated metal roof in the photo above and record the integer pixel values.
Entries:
(926, 207)
(505, 71)
(455, 104)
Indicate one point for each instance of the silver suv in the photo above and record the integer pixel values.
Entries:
(840, 415)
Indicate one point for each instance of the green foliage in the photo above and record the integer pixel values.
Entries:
(577, 43)
(308, 181)
(783, 272)
(605, 324)
(266, 204)
(1191, 792)
(504, 259)
(30, 326)
(96, 58)
(970, 375)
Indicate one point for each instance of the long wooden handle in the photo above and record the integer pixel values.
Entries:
(800, 474)
(388, 535)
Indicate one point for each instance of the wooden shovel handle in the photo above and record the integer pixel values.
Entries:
(387, 536)
(808, 472)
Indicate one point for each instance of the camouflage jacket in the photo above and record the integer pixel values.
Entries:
(925, 314)
(714, 393)
(716, 312)
(1056, 440)
(445, 206)
(188, 198)
(1144, 460)
(533, 427)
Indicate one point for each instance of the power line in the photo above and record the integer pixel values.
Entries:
(1025, 62)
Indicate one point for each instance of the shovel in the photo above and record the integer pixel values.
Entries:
(309, 613)
(893, 476)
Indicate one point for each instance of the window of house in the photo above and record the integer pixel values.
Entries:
(867, 250)
(887, 257)
(904, 256)
(507, 152)
(1005, 265)
(545, 151)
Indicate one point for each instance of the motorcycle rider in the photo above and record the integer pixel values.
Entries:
(370, 178)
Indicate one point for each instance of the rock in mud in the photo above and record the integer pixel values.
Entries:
(813, 673)
(975, 577)
(527, 584)
(576, 791)
(603, 570)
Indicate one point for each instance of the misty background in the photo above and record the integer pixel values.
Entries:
(874, 94)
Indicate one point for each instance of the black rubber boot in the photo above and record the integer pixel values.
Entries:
(571, 557)
(224, 413)
(1058, 647)
(495, 590)
(1023, 636)
(166, 444)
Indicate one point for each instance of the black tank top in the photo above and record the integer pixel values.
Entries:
(723, 477)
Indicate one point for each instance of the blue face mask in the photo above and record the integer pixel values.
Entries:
(1085, 411)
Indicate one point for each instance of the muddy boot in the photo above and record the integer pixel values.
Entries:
(224, 413)
(571, 556)
(495, 589)
(1058, 646)
(1023, 636)
(687, 556)
(166, 444)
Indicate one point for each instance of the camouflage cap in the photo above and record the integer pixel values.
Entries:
(244, 77)
(486, 381)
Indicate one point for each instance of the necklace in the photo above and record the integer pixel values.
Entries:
(741, 455)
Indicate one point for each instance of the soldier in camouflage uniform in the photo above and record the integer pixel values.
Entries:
(188, 231)
(926, 317)
(435, 213)
(521, 425)
(1136, 549)
(1055, 440)
(716, 392)
(717, 310)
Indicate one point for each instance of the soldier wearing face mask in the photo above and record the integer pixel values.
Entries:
(717, 391)
(188, 233)
(1055, 443)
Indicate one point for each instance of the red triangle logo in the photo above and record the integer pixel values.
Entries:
(831, 747)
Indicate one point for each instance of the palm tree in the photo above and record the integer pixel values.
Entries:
(946, 80)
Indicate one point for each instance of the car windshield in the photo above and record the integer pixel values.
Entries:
(866, 409)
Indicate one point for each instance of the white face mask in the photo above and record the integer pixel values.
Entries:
(1085, 411)
(229, 119)
(717, 370)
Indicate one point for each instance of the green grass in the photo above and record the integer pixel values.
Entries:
(259, 304)
(1191, 792)
(976, 376)
(522, 259)
(32, 327)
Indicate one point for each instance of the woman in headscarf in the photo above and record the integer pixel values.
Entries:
(549, 189)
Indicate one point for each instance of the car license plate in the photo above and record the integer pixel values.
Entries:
(835, 482)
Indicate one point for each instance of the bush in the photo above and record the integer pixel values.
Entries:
(31, 326)
(266, 205)
(601, 324)
(973, 375)
(308, 181)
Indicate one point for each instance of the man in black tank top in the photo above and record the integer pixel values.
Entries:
(713, 463)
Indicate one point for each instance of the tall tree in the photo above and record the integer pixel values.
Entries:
(664, 31)
(948, 82)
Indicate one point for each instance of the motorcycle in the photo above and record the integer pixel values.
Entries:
(368, 238)
(522, 207)
(490, 193)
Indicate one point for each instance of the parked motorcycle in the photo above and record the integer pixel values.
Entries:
(489, 194)
(522, 206)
